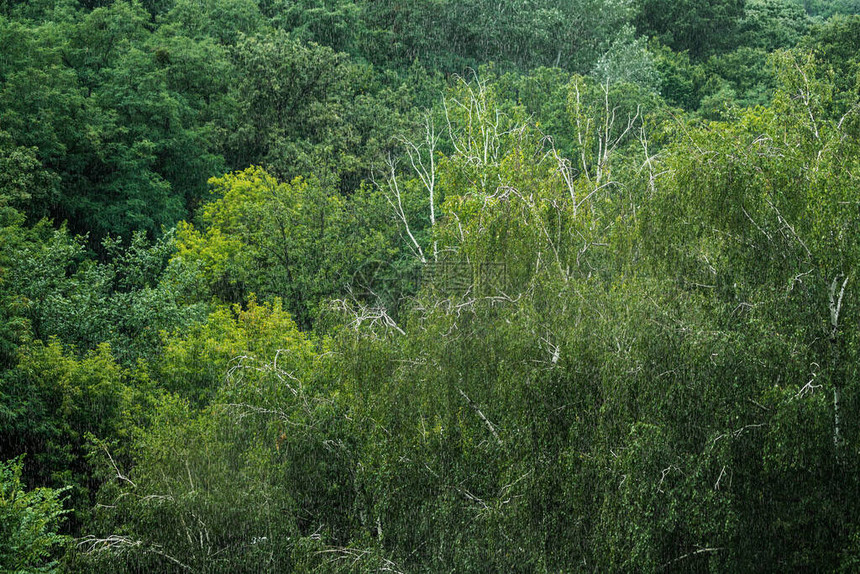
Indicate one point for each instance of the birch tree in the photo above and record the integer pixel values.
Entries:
(758, 218)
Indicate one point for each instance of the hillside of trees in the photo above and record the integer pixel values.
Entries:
(429, 286)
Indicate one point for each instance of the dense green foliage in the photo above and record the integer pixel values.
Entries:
(28, 521)
(425, 286)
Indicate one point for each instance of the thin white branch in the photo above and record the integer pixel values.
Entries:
(836, 302)
(395, 200)
(119, 474)
(490, 425)
(362, 314)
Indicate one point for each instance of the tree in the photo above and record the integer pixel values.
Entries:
(455, 35)
(702, 27)
(628, 61)
(223, 21)
(306, 111)
(835, 46)
(29, 520)
(54, 403)
(295, 241)
(772, 25)
(768, 203)
(54, 290)
(336, 24)
(257, 479)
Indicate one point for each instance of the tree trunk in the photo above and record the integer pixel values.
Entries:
(835, 308)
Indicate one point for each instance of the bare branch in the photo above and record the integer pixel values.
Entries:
(483, 418)
(836, 302)
(690, 554)
(116, 543)
(362, 314)
(119, 474)
(395, 199)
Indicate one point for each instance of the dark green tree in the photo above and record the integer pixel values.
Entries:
(701, 27)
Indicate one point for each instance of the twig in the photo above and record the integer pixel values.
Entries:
(689, 554)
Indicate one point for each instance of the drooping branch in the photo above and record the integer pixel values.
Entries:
(118, 543)
(362, 314)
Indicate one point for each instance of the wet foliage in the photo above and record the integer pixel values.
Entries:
(427, 286)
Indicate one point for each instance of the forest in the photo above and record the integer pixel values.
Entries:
(428, 286)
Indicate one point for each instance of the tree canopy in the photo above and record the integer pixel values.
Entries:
(353, 285)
